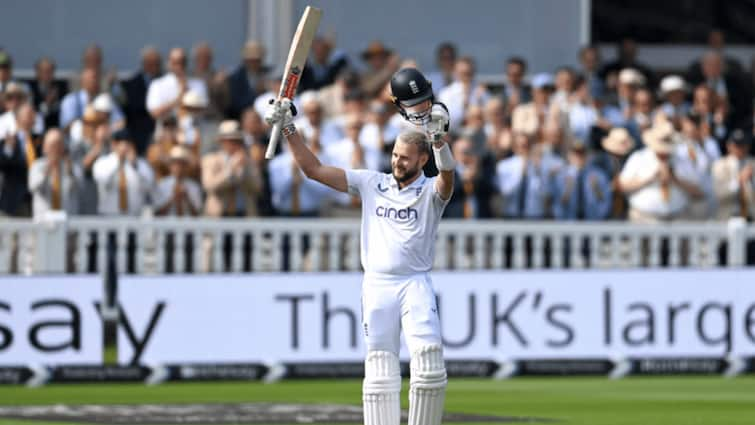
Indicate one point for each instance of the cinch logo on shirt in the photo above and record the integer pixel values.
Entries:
(397, 214)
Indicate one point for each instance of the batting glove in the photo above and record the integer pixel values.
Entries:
(280, 111)
(439, 121)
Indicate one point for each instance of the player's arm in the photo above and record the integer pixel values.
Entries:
(282, 112)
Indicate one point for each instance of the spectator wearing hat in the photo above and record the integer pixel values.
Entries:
(124, 180)
(158, 153)
(628, 81)
(229, 177)
(19, 151)
(139, 122)
(190, 119)
(55, 180)
(616, 146)
(581, 190)
(47, 92)
(102, 106)
(733, 178)
(474, 190)
(381, 64)
(658, 184)
(463, 92)
(529, 118)
(14, 98)
(323, 65)
(515, 90)
(445, 59)
(674, 93)
(523, 181)
(248, 80)
(84, 151)
(700, 152)
(256, 137)
(74, 103)
(177, 194)
(164, 94)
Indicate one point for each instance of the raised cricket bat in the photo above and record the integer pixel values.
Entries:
(297, 57)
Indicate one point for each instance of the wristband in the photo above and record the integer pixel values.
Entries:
(443, 158)
(288, 130)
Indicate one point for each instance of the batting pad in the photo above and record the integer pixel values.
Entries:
(381, 389)
(427, 388)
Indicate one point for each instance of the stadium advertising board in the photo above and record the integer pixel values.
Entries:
(50, 320)
(494, 316)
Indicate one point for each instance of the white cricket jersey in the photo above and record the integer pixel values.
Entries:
(398, 226)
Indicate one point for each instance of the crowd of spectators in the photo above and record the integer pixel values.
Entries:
(601, 141)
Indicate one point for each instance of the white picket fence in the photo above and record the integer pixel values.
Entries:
(79, 245)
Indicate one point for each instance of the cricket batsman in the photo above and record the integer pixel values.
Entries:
(400, 216)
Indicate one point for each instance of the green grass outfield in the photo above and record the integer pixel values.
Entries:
(588, 401)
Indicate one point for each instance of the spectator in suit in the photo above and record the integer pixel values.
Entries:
(139, 122)
(85, 151)
(55, 180)
(497, 126)
(733, 178)
(581, 190)
(515, 90)
(177, 194)
(323, 65)
(381, 62)
(473, 187)
(214, 80)
(445, 59)
(248, 80)
(124, 181)
(701, 152)
(616, 147)
(463, 92)
(712, 110)
(232, 185)
(74, 103)
(729, 88)
(165, 93)
(19, 151)
(6, 74)
(256, 138)
(641, 112)
(589, 68)
(659, 184)
(626, 57)
(380, 132)
(229, 177)
(523, 181)
(47, 92)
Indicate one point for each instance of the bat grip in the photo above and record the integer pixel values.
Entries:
(273, 143)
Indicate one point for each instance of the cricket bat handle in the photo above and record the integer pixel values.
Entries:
(273, 143)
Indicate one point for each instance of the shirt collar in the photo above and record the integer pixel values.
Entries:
(418, 182)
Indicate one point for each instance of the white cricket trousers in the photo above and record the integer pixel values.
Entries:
(391, 303)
